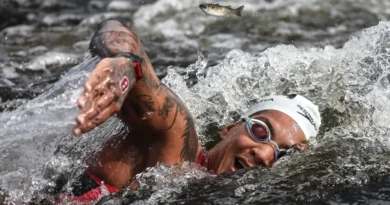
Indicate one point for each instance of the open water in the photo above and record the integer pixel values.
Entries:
(336, 53)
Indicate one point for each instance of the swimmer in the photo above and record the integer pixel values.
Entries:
(162, 128)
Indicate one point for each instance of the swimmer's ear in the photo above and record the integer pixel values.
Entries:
(226, 129)
(301, 146)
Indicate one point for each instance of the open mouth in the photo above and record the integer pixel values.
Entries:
(239, 164)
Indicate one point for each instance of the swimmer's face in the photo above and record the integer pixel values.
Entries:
(238, 149)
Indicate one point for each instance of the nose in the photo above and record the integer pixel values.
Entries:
(264, 155)
(202, 6)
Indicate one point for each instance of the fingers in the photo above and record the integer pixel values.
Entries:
(87, 114)
(96, 111)
(104, 101)
(100, 73)
(91, 118)
(104, 115)
(83, 129)
(91, 93)
(93, 80)
(83, 99)
(95, 83)
(102, 97)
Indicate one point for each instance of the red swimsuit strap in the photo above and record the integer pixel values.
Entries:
(201, 156)
(93, 194)
(98, 181)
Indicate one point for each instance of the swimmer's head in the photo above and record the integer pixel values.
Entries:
(265, 132)
(299, 108)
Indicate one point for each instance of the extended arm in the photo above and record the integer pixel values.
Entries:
(147, 105)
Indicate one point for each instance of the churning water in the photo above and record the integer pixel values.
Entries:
(329, 58)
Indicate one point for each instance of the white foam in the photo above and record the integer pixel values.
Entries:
(323, 75)
(51, 59)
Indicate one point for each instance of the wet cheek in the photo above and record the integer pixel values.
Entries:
(243, 141)
(239, 139)
(269, 149)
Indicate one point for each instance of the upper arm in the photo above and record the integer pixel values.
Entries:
(153, 106)
(163, 113)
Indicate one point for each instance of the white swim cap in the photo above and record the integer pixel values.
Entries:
(300, 109)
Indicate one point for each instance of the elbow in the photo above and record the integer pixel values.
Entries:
(112, 37)
(96, 46)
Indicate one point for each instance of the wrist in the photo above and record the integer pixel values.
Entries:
(136, 62)
(123, 73)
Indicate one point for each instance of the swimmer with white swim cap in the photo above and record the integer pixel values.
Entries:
(264, 133)
(162, 128)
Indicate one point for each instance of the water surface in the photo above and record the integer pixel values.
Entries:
(335, 53)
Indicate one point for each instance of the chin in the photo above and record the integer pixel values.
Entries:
(220, 160)
(230, 165)
(214, 161)
(219, 166)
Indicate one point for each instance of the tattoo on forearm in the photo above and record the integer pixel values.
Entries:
(119, 42)
(171, 103)
(142, 104)
(118, 35)
(167, 107)
(109, 43)
(149, 80)
(160, 90)
(173, 121)
(136, 107)
(147, 100)
(190, 140)
(147, 84)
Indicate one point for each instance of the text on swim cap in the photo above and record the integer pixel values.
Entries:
(307, 116)
(266, 100)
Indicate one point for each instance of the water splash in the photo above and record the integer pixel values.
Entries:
(349, 84)
(161, 182)
(265, 24)
(31, 134)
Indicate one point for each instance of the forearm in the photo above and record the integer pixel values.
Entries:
(149, 107)
(144, 102)
(112, 38)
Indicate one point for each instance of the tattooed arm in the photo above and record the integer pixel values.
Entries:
(150, 108)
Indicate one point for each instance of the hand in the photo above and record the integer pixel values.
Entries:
(104, 92)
